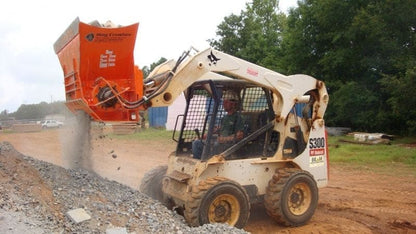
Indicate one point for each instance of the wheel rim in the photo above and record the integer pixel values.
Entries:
(224, 209)
(300, 197)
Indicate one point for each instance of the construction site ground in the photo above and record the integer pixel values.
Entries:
(359, 199)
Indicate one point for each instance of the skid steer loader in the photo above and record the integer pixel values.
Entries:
(279, 157)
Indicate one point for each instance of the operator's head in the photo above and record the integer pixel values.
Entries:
(230, 99)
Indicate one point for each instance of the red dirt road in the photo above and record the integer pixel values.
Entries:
(357, 200)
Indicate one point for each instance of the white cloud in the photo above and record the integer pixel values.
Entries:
(11, 92)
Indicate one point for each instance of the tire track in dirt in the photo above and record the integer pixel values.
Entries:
(374, 190)
(388, 201)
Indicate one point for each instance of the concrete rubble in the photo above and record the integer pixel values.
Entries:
(78, 215)
(43, 193)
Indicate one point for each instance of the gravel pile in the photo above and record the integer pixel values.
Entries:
(35, 196)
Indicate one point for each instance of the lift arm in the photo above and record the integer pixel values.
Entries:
(211, 63)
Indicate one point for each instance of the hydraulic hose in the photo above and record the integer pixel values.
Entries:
(162, 82)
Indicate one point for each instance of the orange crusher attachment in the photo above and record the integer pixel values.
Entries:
(99, 72)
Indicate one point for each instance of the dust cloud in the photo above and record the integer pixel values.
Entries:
(76, 142)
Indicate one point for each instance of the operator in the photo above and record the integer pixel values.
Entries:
(231, 129)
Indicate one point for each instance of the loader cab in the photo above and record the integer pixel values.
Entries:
(205, 113)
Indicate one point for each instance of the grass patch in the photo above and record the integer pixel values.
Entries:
(151, 134)
(399, 151)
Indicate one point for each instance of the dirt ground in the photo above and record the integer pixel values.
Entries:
(357, 200)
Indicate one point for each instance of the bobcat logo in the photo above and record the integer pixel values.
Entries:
(212, 59)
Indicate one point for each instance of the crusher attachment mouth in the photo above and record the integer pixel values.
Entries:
(99, 72)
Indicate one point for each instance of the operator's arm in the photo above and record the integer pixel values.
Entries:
(237, 136)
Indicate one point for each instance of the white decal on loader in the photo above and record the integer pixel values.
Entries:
(316, 152)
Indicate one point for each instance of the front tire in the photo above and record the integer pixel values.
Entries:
(151, 184)
(291, 197)
(217, 200)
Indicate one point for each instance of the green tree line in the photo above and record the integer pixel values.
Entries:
(364, 50)
(36, 111)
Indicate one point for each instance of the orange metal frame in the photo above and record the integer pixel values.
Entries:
(93, 57)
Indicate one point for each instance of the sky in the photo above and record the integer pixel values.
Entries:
(29, 68)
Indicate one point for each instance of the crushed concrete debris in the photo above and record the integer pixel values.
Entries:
(43, 193)
(78, 215)
(116, 230)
